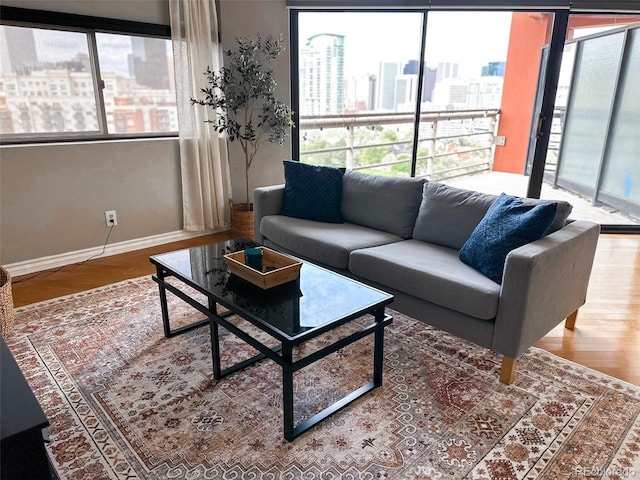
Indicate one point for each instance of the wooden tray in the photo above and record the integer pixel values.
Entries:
(282, 268)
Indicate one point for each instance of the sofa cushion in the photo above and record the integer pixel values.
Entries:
(448, 215)
(385, 203)
(508, 224)
(327, 243)
(430, 272)
(311, 192)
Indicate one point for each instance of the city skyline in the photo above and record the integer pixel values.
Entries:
(470, 39)
(47, 84)
(324, 88)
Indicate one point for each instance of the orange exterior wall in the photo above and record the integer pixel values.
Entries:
(529, 31)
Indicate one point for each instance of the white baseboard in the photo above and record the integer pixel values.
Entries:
(68, 258)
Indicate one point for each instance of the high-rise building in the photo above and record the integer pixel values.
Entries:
(322, 83)
(445, 71)
(493, 69)
(428, 84)
(18, 54)
(387, 84)
(412, 67)
(149, 63)
(406, 92)
(399, 85)
(360, 93)
(451, 93)
(485, 92)
(371, 92)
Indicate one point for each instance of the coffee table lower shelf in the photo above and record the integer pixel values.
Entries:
(282, 354)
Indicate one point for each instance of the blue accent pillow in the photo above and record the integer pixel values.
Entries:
(313, 193)
(508, 224)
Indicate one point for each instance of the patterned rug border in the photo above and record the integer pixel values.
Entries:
(577, 400)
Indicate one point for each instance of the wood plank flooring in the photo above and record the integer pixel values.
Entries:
(32, 288)
(607, 333)
(606, 337)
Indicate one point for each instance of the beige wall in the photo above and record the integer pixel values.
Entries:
(53, 197)
(266, 17)
(149, 11)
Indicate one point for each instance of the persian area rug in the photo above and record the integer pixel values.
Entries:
(126, 403)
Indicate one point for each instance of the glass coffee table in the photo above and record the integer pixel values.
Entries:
(293, 313)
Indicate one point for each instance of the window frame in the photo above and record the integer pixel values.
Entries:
(89, 26)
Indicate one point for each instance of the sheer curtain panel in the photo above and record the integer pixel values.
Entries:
(206, 184)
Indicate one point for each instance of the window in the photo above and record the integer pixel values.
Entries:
(138, 85)
(367, 102)
(58, 83)
(464, 97)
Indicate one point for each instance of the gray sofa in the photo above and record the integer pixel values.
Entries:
(403, 235)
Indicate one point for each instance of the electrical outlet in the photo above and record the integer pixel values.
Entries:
(111, 218)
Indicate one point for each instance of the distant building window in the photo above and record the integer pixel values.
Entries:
(48, 87)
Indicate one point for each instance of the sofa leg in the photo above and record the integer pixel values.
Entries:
(570, 322)
(508, 370)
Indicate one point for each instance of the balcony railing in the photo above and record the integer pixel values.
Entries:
(451, 143)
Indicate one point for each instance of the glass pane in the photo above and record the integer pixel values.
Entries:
(597, 119)
(46, 82)
(588, 111)
(560, 107)
(139, 91)
(358, 89)
(464, 86)
(621, 176)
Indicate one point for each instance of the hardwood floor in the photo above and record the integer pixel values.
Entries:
(607, 333)
(54, 283)
(606, 337)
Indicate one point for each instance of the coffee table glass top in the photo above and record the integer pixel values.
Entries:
(318, 298)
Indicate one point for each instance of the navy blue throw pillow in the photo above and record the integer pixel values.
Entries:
(508, 224)
(313, 193)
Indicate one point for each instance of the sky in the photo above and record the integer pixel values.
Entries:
(471, 39)
(55, 46)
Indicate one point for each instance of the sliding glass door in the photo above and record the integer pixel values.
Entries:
(620, 177)
(417, 93)
(598, 120)
(467, 98)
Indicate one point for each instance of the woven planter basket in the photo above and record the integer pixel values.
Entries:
(7, 316)
(242, 220)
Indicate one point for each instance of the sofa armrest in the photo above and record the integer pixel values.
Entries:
(544, 282)
(266, 201)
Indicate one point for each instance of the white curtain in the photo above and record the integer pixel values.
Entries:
(206, 184)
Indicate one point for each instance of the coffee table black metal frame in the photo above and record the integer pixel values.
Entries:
(282, 353)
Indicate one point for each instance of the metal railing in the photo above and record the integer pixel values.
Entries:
(450, 142)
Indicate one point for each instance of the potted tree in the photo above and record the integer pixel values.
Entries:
(242, 93)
